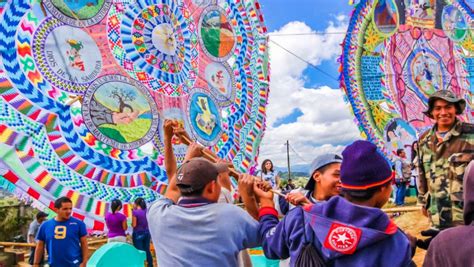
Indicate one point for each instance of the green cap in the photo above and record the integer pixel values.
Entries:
(447, 96)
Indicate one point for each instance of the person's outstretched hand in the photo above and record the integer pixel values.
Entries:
(297, 198)
(194, 151)
(246, 183)
(261, 191)
(168, 127)
(425, 243)
(180, 133)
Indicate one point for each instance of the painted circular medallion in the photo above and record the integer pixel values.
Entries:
(66, 56)
(216, 34)
(220, 78)
(120, 112)
(204, 117)
(78, 13)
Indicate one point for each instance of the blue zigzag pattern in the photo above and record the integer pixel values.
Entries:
(15, 11)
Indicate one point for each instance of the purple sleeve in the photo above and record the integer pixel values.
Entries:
(281, 238)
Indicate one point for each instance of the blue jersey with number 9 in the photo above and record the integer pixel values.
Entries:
(62, 240)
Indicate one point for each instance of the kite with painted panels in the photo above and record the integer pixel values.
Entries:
(85, 86)
(398, 52)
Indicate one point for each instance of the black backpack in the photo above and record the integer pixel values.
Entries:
(309, 255)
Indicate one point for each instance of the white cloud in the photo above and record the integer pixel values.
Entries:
(326, 122)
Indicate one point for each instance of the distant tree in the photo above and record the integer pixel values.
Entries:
(123, 96)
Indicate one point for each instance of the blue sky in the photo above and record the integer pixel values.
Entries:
(305, 106)
(314, 13)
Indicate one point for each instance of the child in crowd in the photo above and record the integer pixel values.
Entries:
(349, 231)
(324, 182)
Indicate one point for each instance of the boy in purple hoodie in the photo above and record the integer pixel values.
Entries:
(349, 231)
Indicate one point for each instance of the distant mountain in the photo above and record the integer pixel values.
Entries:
(302, 168)
(284, 175)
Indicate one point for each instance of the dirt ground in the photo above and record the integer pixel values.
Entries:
(412, 223)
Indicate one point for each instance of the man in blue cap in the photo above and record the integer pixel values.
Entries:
(324, 182)
(349, 231)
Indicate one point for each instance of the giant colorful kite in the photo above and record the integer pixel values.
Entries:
(398, 52)
(85, 87)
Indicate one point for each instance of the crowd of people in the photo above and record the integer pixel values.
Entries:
(336, 220)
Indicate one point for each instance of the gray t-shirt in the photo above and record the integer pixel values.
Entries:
(33, 229)
(206, 235)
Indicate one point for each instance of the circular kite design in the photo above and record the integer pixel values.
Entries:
(454, 24)
(216, 34)
(85, 87)
(78, 13)
(220, 79)
(120, 112)
(202, 3)
(204, 117)
(157, 39)
(396, 53)
(66, 56)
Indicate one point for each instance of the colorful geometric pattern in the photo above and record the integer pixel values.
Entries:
(397, 53)
(51, 146)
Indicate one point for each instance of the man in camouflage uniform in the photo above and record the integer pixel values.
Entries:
(444, 152)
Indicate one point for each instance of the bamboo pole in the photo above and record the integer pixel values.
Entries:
(401, 209)
(13, 244)
(210, 156)
(74, 100)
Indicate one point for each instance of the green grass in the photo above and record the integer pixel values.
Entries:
(86, 12)
(211, 39)
(127, 133)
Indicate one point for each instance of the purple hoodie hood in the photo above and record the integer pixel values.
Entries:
(338, 238)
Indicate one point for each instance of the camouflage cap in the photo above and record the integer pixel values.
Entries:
(448, 96)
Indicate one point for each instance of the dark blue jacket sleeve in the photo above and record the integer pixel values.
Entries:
(281, 239)
(284, 205)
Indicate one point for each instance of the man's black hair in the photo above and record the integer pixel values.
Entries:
(40, 215)
(59, 202)
(363, 195)
(186, 193)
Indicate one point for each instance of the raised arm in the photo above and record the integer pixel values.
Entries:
(246, 184)
(170, 159)
(173, 193)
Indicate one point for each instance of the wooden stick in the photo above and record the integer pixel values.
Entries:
(74, 100)
(401, 209)
(210, 156)
(13, 244)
